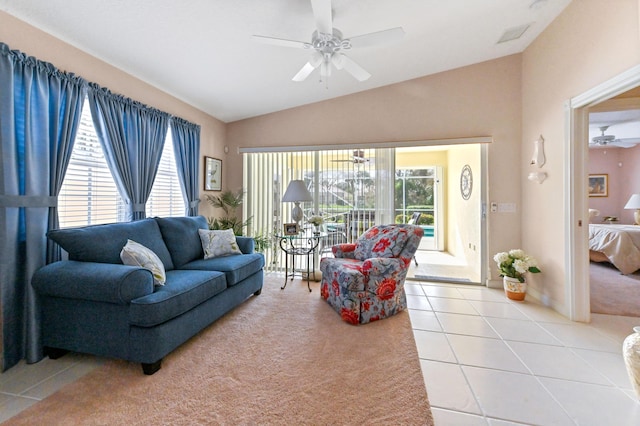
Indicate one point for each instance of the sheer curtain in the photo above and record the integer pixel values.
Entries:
(132, 136)
(40, 110)
(186, 148)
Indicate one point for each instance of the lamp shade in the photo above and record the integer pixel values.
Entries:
(297, 191)
(634, 202)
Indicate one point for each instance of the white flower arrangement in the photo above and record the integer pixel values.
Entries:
(316, 220)
(515, 263)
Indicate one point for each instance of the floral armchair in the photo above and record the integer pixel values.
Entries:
(364, 282)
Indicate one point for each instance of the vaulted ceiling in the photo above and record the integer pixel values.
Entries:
(202, 51)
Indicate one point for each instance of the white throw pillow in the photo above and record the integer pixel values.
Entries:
(135, 254)
(218, 243)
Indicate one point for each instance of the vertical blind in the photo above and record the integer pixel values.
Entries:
(352, 190)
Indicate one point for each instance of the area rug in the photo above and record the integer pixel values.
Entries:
(284, 357)
(613, 293)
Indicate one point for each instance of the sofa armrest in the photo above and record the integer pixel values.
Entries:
(246, 244)
(99, 282)
(344, 250)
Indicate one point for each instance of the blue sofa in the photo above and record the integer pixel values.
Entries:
(92, 303)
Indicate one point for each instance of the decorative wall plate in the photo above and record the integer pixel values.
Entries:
(466, 182)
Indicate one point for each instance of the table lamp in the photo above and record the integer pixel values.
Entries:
(296, 192)
(634, 203)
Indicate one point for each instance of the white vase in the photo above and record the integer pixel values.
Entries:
(631, 353)
(514, 289)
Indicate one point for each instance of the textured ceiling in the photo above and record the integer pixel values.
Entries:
(201, 51)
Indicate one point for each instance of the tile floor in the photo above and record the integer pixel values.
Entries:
(485, 360)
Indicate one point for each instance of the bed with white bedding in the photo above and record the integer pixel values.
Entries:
(618, 244)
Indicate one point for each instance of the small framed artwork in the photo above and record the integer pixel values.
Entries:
(290, 229)
(599, 185)
(212, 174)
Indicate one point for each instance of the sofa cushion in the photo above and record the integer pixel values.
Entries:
(218, 243)
(103, 243)
(236, 267)
(135, 254)
(182, 291)
(180, 234)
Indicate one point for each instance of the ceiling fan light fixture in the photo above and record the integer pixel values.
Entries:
(327, 44)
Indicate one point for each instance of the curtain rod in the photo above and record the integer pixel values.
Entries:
(397, 144)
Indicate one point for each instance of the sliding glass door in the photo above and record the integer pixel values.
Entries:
(418, 198)
(352, 190)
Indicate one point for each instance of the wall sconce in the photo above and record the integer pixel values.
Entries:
(538, 177)
(538, 152)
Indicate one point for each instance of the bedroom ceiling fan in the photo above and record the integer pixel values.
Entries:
(610, 140)
(327, 45)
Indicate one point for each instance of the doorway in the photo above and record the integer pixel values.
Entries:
(577, 290)
(354, 188)
(444, 185)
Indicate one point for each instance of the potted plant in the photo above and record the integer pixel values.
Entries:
(229, 202)
(316, 221)
(513, 266)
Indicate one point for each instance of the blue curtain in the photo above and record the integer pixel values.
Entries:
(40, 110)
(132, 136)
(186, 149)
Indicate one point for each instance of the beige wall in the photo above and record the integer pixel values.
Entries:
(464, 216)
(20, 36)
(589, 43)
(478, 100)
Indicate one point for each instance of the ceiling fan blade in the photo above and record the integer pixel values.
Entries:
(353, 68)
(322, 15)
(304, 72)
(377, 38)
(626, 142)
(281, 42)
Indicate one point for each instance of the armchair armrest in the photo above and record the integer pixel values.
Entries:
(246, 244)
(99, 282)
(385, 275)
(345, 250)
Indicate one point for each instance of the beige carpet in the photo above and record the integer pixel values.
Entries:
(284, 357)
(613, 293)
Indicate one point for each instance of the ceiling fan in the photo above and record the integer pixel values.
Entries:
(327, 45)
(610, 140)
(357, 158)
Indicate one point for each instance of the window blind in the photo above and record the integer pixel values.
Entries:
(166, 197)
(88, 195)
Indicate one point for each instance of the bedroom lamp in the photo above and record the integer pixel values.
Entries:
(634, 203)
(296, 192)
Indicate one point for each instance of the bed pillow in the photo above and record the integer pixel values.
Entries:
(218, 243)
(135, 254)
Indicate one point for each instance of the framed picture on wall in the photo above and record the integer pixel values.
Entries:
(599, 185)
(212, 174)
